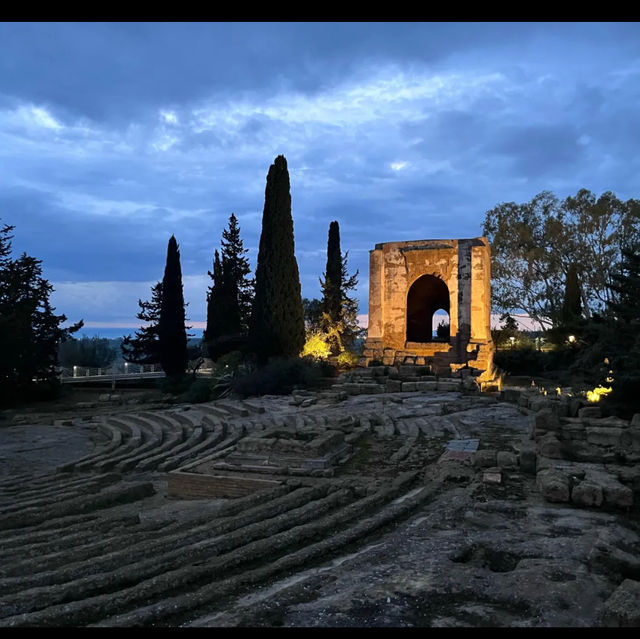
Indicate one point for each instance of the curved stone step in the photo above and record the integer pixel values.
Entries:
(115, 442)
(196, 448)
(103, 499)
(147, 559)
(56, 493)
(190, 576)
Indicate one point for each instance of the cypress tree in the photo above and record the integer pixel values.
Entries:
(172, 333)
(339, 311)
(332, 283)
(277, 319)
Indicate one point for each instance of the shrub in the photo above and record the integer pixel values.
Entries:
(280, 377)
(316, 347)
(346, 359)
(200, 390)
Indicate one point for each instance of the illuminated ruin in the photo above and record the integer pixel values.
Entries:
(409, 282)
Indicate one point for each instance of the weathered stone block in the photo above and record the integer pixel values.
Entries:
(408, 370)
(607, 436)
(617, 495)
(575, 404)
(527, 459)
(553, 485)
(408, 386)
(550, 446)
(426, 386)
(394, 386)
(622, 609)
(542, 422)
(507, 460)
(484, 458)
(589, 412)
(587, 493)
(448, 386)
(635, 420)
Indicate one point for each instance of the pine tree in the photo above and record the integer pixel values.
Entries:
(144, 348)
(277, 319)
(339, 310)
(238, 286)
(30, 332)
(172, 334)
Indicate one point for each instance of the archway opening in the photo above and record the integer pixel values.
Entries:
(440, 328)
(427, 295)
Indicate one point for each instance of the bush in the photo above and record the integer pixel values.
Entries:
(528, 361)
(200, 390)
(175, 384)
(347, 359)
(281, 376)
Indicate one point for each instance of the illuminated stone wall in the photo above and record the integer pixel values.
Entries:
(463, 265)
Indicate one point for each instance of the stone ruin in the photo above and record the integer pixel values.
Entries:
(408, 283)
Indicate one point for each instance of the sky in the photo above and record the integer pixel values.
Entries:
(114, 136)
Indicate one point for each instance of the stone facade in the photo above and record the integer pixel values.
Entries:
(408, 282)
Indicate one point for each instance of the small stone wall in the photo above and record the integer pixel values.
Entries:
(184, 485)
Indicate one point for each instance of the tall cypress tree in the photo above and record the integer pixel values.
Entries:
(339, 311)
(172, 333)
(332, 283)
(277, 319)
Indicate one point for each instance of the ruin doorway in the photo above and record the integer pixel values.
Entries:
(427, 295)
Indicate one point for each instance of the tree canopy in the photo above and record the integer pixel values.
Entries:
(535, 244)
(172, 334)
(277, 319)
(30, 331)
(144, 348)
(230, 296)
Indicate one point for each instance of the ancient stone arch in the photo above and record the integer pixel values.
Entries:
(409, 281)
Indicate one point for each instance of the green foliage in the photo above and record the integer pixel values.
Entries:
(347, 359)
(282, 375)
(277, 320)
(611, 341)
(529, 361)
(30, 332)
(316, 346)
(199, 391)
(144, 348)
(172, 334)
(535, 244)
(88, 351)
(338, 312)
(229, 298)
(312, 314)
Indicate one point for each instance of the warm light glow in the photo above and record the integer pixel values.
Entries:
(571, 338)
(558, 390)
(316, 347)
(595, 394)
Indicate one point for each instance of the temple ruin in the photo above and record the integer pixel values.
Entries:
(409, 282)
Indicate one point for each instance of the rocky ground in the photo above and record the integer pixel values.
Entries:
(406, 530)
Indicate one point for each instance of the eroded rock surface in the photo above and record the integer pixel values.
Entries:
(400, 528)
